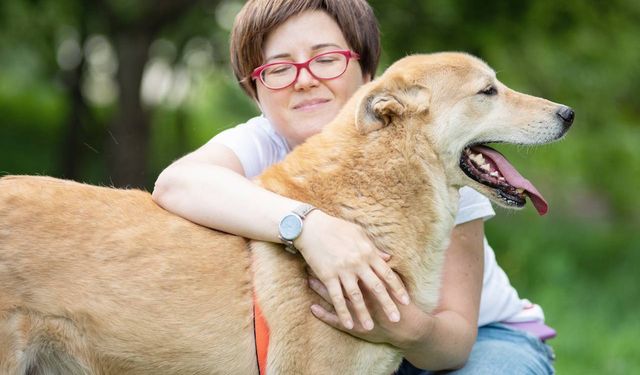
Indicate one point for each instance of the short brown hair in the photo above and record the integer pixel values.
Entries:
(259, 17)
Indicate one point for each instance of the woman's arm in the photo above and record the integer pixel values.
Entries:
(208, 187)
(443, 339)
(451, 335)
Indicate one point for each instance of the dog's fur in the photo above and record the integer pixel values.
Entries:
(100, 280)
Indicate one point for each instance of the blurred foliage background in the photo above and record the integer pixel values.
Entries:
(111, 91)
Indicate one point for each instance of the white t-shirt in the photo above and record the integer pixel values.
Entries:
(257, 146)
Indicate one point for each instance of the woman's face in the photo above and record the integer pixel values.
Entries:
(304, 108)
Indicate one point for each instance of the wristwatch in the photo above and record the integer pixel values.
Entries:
(290, 226)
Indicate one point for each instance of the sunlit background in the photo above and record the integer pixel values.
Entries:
(111, 91)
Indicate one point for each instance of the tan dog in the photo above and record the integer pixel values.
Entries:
(96, 280)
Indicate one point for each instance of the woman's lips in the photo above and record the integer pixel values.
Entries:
(309, 104)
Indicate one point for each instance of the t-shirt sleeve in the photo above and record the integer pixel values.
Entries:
(255, 144)
(472, 206)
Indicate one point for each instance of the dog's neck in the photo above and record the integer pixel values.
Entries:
(379, 181)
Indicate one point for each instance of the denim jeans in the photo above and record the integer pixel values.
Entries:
(500, 350)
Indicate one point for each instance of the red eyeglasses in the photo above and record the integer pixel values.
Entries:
(327, 65)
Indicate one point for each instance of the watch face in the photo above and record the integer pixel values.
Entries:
(290, 227)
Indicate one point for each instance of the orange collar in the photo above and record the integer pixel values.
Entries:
(261, 333)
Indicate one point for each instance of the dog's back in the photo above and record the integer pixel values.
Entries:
(53, 323)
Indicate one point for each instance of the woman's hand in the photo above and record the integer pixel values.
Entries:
(414, 324)
(444, 338)
(341, 255)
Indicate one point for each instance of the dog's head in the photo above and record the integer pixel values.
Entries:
(455, 102)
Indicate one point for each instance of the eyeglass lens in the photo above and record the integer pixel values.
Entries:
(325, 66)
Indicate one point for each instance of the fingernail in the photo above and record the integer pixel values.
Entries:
(394, 317)
(348, 324)
(315, 309)
(405, 299)
(368, 325)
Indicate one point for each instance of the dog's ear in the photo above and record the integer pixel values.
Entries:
(382, 106)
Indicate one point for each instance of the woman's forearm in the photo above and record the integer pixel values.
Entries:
(446, 341)
(444, 344)
(220, 198)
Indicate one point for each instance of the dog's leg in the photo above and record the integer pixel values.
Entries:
(37, 345)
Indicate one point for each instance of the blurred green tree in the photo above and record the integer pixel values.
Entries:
(100, 50)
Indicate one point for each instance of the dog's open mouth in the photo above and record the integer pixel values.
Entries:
(491, 168)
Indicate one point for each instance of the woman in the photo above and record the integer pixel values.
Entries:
(300, 61)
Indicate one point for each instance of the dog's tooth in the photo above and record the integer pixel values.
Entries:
(500, 178)
(477, 158)
(520, 190)
(494, 174)
(486, 167)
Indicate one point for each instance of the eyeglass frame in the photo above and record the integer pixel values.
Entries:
(257, 72)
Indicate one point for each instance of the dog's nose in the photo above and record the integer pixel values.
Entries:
(567, 115)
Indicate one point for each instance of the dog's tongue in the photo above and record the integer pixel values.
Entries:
(514, 178)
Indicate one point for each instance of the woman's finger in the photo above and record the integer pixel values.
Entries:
(319, 288)
(332, 319)
(375, 285)
(354, 294)
(326, 316)
(394, 282)
(338, 302)
(386, 257)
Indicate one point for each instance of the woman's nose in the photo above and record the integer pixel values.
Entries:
(305, 79)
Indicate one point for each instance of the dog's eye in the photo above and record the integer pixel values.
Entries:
(490, 91)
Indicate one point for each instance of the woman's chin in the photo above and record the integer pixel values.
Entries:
(303, 130)
(304, 124)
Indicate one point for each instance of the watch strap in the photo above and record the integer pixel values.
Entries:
(289, 246)
(303, 210)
